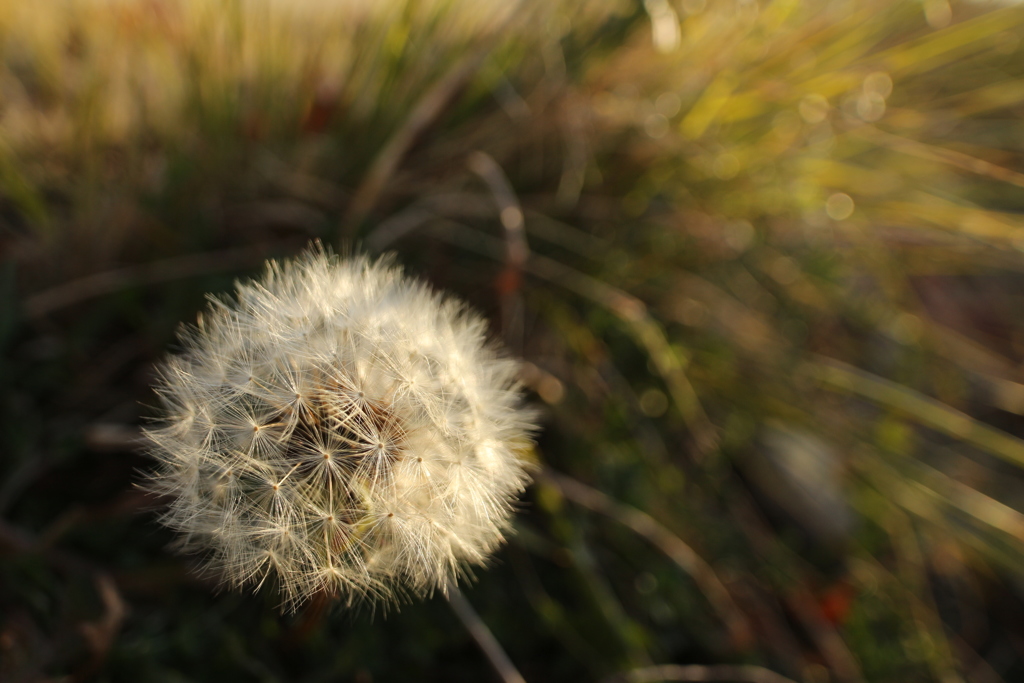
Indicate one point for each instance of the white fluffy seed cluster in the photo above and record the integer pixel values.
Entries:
(339, 427)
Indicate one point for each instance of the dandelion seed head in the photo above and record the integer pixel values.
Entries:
(339, 427)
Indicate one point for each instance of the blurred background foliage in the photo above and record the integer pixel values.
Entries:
(763, 260)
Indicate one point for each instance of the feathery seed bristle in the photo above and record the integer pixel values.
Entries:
(342, 428)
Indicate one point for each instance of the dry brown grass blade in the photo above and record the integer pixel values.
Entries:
(873, 572)
(912, 570)
(952, 157)
(699, 672)
(102, 633)
(957, 40)
(927, 492)
(631, 310)
(740, 630)
(424, 114)
(509, 210)
(927, 411)
(76, 291)
(517, 250)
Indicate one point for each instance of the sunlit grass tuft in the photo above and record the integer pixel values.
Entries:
(763, 260)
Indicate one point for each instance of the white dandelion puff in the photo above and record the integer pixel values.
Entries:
(339, 427)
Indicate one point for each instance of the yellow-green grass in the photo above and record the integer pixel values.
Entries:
(776, 249)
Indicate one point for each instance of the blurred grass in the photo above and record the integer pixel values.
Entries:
(770, 301)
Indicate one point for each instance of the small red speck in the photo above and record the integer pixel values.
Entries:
(321, 110)
(836, 601)
(509, 281)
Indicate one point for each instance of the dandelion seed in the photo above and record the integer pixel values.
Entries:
(339, 427)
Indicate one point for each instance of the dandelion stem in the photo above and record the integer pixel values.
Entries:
(482, 635)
